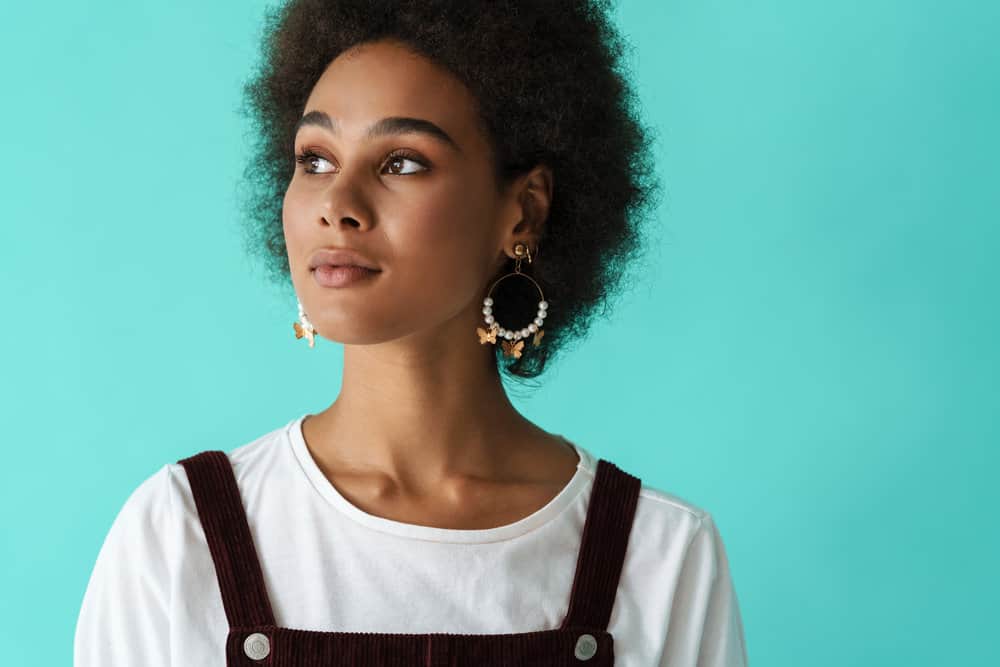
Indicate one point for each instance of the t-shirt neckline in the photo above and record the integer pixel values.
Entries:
(560, 502)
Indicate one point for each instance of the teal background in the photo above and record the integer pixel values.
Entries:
(812, 355)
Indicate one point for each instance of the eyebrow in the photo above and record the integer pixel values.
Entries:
(392, 125)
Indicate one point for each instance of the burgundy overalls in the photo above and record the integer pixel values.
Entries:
(255, 639)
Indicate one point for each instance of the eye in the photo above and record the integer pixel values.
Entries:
(401, 156)
(308, 158)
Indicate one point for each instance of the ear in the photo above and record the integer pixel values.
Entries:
(531, 195)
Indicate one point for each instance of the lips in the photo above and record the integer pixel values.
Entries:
(342, 276)
(341, 257)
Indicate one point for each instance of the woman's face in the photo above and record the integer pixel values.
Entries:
(423, 208)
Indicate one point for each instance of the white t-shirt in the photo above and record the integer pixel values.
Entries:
(153, 599)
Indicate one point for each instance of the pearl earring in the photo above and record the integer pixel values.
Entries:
(304, 327)
(512, 342)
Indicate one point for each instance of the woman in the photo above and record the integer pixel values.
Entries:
(459, 169)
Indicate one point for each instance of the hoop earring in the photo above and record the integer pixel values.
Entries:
(304, 327)
(512, 342)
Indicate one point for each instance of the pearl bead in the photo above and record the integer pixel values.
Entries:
(487, 310)
(543, 304)
(488, 301)
(518, 336)
(509, 335)
(525, 333)
(532, 327)
(488, 319)
(539, 321)
(543, 313)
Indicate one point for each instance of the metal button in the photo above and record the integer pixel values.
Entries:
(586, 647)
(257, 646)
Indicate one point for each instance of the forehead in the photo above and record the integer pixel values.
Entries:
(380, 79)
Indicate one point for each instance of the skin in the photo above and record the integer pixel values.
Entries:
(422, 430)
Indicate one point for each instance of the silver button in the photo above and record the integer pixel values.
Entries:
(586, 647)
(257, 646)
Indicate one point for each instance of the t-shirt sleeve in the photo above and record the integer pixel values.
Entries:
(705, 627)
(124, 617)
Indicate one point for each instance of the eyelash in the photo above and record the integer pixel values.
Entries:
(304, 157)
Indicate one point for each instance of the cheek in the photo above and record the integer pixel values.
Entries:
(452, 218)
(441, 259)
(444, 236)
(293, 224)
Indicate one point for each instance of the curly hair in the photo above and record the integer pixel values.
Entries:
(551, 88)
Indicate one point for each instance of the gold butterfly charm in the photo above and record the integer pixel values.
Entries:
(512, 349)
(301, 331)
(488, 336)
(538, 338)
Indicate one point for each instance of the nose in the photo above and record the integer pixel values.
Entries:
(345, 202)
(349, 220)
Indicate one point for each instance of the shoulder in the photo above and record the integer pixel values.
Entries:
(674, 539)
(664, 517)
(148, 505)
(146, 523)
(159, 518)
(244, 453)
(252, 463)
(666, 522)
(667, 505)
(155, 548)
(655, 506)
(137, 557)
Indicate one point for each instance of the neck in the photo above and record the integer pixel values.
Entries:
(422, 410)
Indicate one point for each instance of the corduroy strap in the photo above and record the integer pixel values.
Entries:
(606, 531)
(224, 520)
